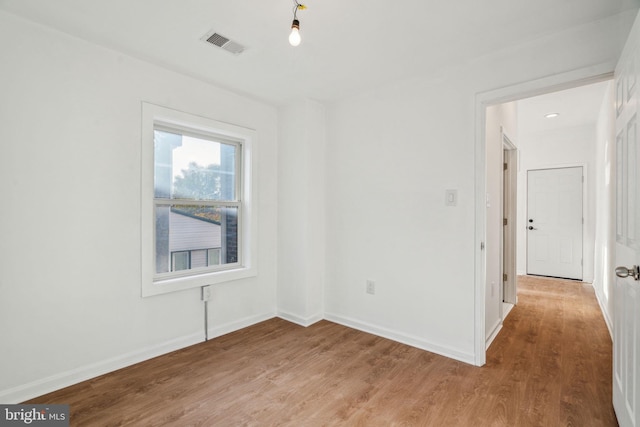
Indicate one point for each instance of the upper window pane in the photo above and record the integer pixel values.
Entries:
(193, 168)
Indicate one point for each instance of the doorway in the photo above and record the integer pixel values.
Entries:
(561, 156)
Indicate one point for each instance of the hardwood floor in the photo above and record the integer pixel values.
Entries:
(549, 366)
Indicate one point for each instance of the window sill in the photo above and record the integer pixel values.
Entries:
(174, 284)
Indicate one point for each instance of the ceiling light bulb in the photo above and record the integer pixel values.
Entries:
(551, 115)
(294, 37)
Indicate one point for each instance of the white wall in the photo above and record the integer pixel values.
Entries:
(605, 191)
(70, 304)
(392, 152)
(563, 147)
(505, 117)
(301, 212)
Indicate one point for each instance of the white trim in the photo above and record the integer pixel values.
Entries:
(605, 313)
(302, 321)
(401, 338)
(508, 309)
(507, 141)
(64, 379)
(248, 217)
(574, 78)
(494, 334)
(227, 328)
(509, 233)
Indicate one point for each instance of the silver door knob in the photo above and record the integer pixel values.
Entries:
(626, 272)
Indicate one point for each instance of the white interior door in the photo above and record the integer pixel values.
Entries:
(554, 222)
(626, 290)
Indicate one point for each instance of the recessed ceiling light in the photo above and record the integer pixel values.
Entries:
(551, 115)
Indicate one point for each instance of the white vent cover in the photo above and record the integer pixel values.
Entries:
(223, 42)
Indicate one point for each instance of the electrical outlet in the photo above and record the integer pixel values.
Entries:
(371, 287)
(206, 293)
(451, 198)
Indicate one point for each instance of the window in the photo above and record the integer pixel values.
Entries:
(180, 261)
(197, 217)
(196, 198)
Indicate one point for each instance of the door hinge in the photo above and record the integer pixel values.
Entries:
(504, 277)
(505, 166)
(482, 246)
(504, 221)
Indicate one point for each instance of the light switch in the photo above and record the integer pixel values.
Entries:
(451, 198)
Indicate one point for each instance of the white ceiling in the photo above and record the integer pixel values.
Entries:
(347, 46)
(579, 106)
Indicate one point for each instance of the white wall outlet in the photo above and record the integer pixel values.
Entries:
(207, 293)
(451, 197)
(371, 287)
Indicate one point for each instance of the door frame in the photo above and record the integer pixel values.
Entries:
(508, 247)
(568, 80)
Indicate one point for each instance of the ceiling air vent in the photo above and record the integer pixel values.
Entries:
(223, 42)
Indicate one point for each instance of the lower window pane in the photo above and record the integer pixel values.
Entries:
(191, 236)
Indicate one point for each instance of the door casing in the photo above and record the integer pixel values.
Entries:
(509, 286)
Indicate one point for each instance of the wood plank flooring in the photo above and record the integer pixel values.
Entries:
(549, 366)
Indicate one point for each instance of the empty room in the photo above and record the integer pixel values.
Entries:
(319, 213)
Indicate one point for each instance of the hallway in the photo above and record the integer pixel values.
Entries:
(553, 357)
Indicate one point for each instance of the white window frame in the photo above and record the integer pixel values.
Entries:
(155, 284)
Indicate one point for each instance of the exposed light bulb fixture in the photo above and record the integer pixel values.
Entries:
(294, 37)
(551, 115)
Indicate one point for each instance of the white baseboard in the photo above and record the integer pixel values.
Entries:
(298, 320)
(493, 335)
(238, 324)
(507, 307)
(64, 379)
(605, 314)
(402, 338)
